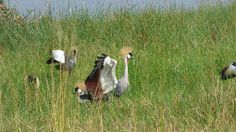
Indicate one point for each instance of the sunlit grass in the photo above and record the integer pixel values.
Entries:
(174, 78)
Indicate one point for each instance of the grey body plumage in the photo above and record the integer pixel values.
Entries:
(123, 82)
(69, 64)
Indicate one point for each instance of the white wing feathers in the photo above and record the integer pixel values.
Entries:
(59, 55)
(107, 76)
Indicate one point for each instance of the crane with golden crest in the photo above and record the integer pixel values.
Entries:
(102, 80)
(66, 62)
(123, 82)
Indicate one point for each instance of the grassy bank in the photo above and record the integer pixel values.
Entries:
(175, 82)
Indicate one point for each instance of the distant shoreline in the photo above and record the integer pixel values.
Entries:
(65, 8)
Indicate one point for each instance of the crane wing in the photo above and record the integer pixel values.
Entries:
(58, 55)
(107, 76)
(92, 82)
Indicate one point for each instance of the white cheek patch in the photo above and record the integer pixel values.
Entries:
(79, 91)
(128, 56)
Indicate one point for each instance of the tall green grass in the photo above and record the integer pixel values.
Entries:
(174, 78)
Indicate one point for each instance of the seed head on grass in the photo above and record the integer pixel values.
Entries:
(32, 80)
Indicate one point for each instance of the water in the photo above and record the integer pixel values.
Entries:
(65, 7)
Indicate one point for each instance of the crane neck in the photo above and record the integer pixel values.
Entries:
(75, 59)
(126, 68)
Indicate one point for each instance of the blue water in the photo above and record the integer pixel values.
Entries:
(59, 7)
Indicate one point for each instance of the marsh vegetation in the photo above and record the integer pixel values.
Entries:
(174, 79)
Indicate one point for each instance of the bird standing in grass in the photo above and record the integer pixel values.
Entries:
(229, 71)
(58, 56)
(101, 80)
(123, 82)
(66, 62)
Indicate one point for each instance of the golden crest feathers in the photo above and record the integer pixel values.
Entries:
(81, 86)
(125, 50)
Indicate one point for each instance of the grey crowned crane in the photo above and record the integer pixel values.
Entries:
(228, 71)
(66, 62)
(123, 82)
(101, 80)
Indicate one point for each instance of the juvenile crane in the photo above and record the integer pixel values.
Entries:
(123, 82)
(229, 71)
(66, 62)
(101, 80)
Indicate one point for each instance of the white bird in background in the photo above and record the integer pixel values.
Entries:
(123, 82)
(66, 62)
(101, 80)
(58, 56)
(229, 71)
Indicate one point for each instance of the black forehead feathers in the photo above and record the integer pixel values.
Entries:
(130, 54)
(76, 89)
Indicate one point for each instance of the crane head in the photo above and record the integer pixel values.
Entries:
(82, 94)
(124, 51)
(74, 50)
(130, 55)
(79, 89)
